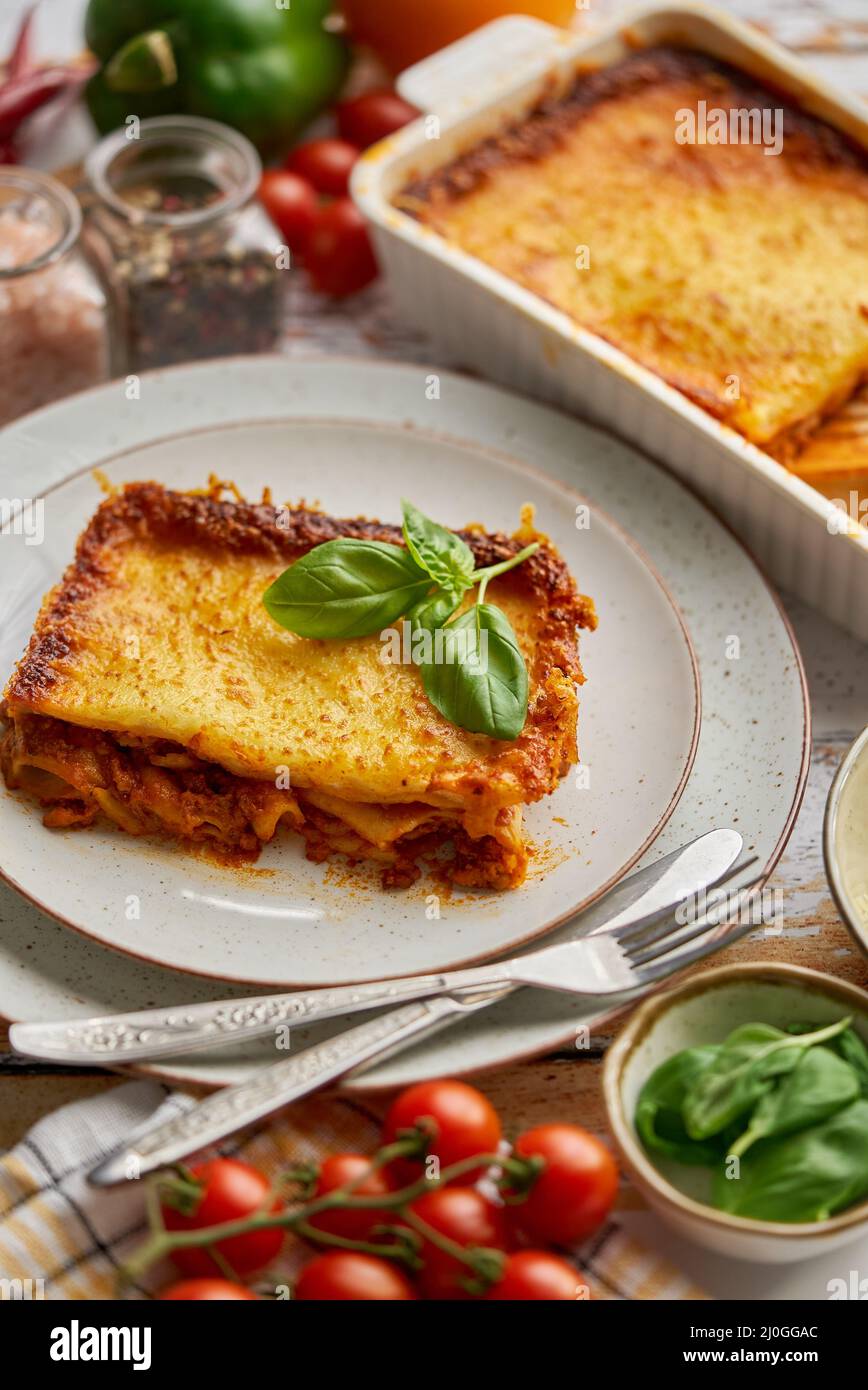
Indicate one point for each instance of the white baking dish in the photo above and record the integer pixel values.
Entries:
(481, 318)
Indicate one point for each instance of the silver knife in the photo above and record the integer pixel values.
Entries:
(279, 1085)
(273, 1087)
(162, 1032)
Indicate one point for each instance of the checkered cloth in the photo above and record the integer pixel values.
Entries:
(69, 1240)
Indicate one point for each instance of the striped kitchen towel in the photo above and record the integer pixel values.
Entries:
(61, 1239)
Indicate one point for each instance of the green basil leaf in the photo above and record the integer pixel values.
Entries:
(853, 1050)
(819, 1084)
(744, 1071)
(848, 1045)
(346, 588)
(479, 685)
(440, 552)
(659, 1122)
(807, 1176)
(435, 610)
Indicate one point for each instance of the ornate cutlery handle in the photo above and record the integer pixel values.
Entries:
(170, 1032)
(271, 1089)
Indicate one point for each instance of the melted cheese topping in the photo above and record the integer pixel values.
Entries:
(175, 646)
(739, 277)
(158, 692)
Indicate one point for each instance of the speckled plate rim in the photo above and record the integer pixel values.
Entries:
(365, 1084)
(498, 456)
(858, 749)
(618, 1055)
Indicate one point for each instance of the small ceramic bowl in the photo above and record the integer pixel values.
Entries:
(845, 839)
(704, 1010)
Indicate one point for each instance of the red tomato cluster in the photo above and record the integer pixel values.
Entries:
(560, 1194)
(308, 199)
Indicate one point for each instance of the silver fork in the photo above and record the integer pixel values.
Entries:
(632, 957)
(637, 902)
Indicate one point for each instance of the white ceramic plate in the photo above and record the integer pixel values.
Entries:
(304, 923)
(750, 765)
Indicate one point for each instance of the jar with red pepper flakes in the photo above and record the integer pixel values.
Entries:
(196, 266)
(54, 322)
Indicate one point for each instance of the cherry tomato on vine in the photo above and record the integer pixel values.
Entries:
(338, 251)
(371, 117)
(231, 1190)
(325, 164)
(575, 1191)
(205, 1290)
(337, 1171)
(349, 1276)
(468, 1218)
(462, 1122)
(532, 1275)
(292, 205)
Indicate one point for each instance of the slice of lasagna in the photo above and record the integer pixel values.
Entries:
(156, 691)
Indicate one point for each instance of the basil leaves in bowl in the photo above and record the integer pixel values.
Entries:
(739, 1103)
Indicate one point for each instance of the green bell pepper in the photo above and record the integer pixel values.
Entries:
(265, 67)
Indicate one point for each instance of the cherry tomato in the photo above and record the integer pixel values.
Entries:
(371, 117)
(403, 31)
(575, 1191)
(324, 163)
(462, 1121)
(338, 252)
(337, 1171)
(291, 203)
(467, 1217)
(532, 1275)
(346, 1276)
(231, 1190)
(204, 1290)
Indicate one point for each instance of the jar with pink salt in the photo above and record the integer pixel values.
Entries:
(54, 325)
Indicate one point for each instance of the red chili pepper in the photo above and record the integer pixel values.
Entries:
(19, 60)
(23, 95)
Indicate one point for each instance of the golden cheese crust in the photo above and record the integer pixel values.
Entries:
(739, 277)
(157, 641)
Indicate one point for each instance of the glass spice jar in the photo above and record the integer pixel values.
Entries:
(195, 263)
(54, 329)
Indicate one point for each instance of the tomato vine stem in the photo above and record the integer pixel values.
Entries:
(520, 1172)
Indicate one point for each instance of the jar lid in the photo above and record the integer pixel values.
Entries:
(39, 203)
(174, 145)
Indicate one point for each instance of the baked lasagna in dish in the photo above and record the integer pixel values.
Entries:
(157, 692)
(737, 271)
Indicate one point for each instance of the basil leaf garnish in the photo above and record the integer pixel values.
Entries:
(479, 680)
(346, 588)
(435, 610)
(476, 676)
(439, 552)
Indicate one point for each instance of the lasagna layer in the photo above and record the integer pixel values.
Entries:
(738, 275)
(157, 691)
(835, 458)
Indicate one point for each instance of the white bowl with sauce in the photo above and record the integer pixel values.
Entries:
(845, 839)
